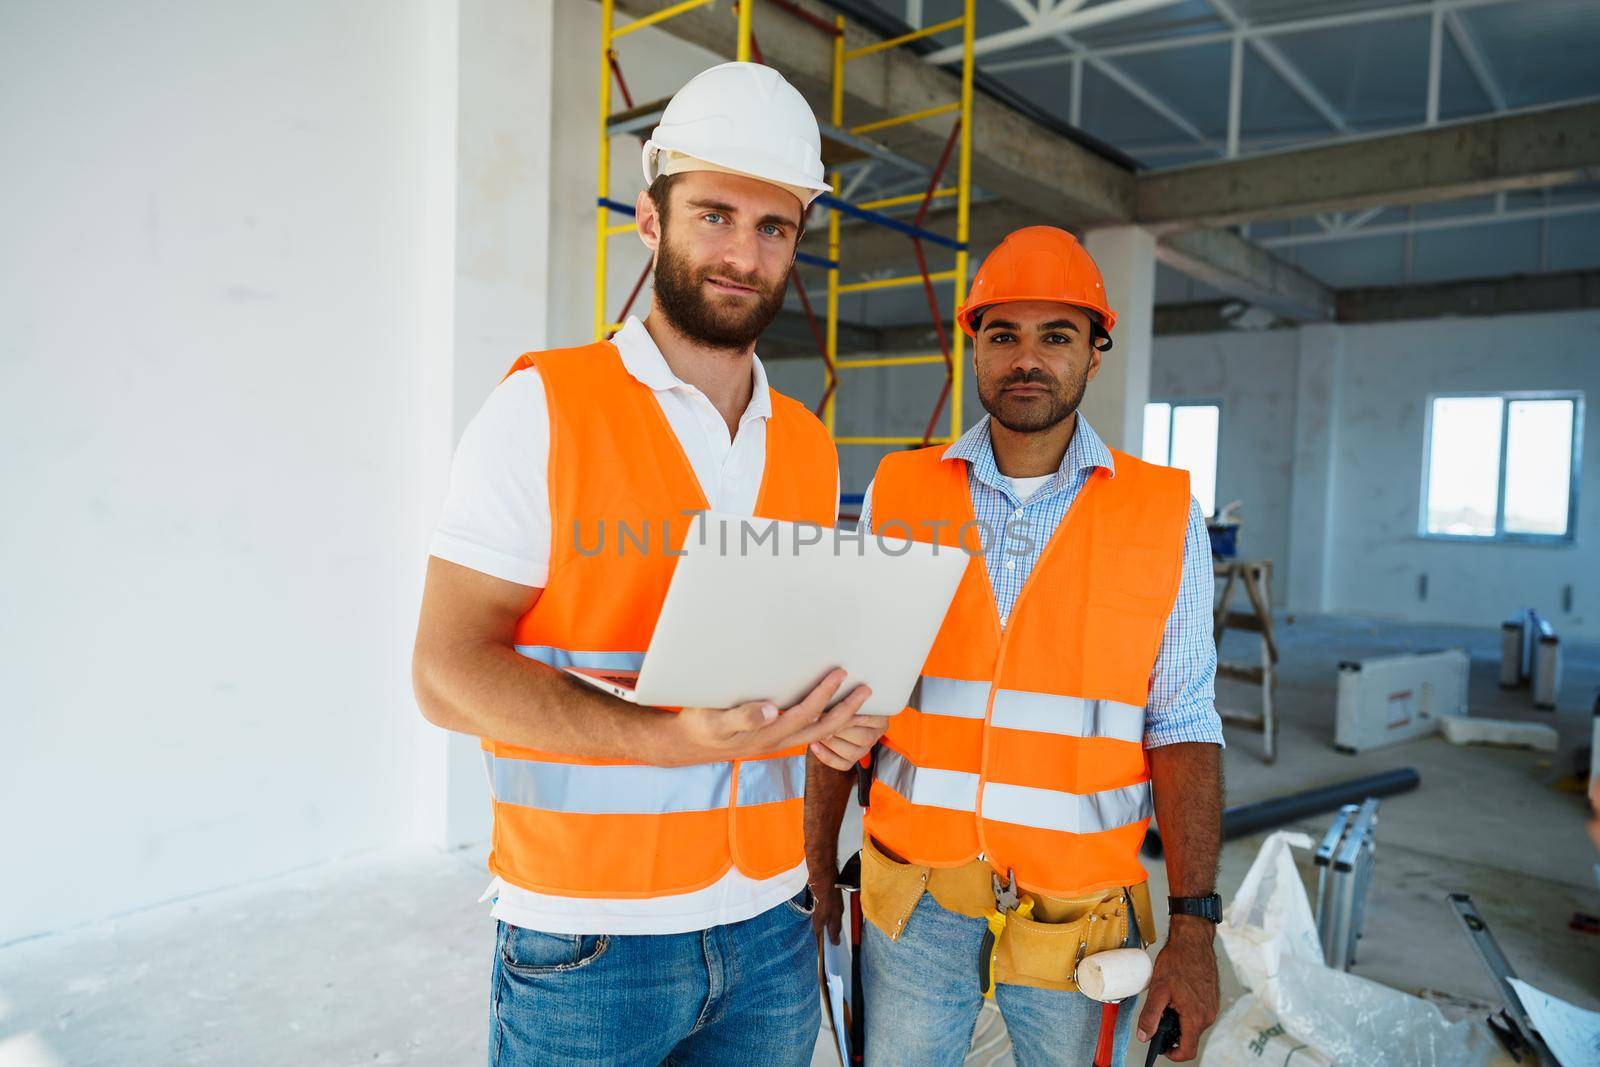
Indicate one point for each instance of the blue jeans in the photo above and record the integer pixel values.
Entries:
(923, 1000)
(745, 993)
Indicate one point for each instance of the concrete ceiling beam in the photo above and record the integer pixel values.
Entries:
(1525, 150)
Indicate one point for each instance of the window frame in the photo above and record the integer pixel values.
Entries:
(1501, 535)
(1194, 402)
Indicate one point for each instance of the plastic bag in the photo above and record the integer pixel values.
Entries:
(1298, 1006)
(1270, 918)
(1248, 1033)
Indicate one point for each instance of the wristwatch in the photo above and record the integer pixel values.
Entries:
(1209, 908)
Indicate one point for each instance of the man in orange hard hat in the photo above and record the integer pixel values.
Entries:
(1071, 679)
(649, 875)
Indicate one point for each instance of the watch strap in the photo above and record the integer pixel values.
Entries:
(1207, 907)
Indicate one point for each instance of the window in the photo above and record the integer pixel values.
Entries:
(1185, 435)
(1502, 466)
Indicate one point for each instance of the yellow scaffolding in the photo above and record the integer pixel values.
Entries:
(869, 211)
(604, 206)
(961, 190)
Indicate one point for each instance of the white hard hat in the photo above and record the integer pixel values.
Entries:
(743, 118)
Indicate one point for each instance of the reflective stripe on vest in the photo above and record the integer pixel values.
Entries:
(769, 781)
(1073, 813)
(1041, 712)
(639, 789)
(1047, 809)
(586, 661)
(951, 696)
(931, 786)
(1069, 716)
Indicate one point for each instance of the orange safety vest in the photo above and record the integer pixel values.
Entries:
(581, 827)
(1025, 744)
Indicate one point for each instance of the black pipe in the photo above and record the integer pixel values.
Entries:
(1264, 814)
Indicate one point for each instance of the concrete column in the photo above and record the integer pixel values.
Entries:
(1115, 400)
(489, 202)
(1312, 510)
(505, 138)
(435, 431)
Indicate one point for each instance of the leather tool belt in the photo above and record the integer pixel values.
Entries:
(1038, 946)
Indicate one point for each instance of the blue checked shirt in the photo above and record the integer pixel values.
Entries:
(1182, 702)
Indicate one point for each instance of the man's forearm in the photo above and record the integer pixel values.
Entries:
(489, 690)
(827, 796)
(1187, 781)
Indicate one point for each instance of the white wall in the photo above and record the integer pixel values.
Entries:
(1323, 438)
(1388, 371)
(1252, 377)
(504, 149)
(213, 408)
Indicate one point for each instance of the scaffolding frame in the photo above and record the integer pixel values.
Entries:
(951, 343)
(958, 142)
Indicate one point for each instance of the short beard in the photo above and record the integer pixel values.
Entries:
(681, 297)
(1064, 400)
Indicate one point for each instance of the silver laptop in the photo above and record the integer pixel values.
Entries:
(760, 609)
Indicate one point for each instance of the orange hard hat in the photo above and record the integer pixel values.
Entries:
(1039, 263)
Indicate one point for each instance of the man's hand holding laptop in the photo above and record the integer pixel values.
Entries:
(838, 736)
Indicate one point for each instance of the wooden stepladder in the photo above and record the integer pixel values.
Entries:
(1255, 576)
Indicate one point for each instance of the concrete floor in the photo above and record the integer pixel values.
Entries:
(384, 958)
(1496, 823)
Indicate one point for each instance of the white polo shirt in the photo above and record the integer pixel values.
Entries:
(497, 520)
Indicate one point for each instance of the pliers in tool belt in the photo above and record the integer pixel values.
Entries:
(1007, 901)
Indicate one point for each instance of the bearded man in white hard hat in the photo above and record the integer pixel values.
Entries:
(649, 873)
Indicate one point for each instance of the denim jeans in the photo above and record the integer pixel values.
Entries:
(923, 1000)
(745, 993)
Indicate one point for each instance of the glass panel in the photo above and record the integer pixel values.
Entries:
(1464, 465)
(1194, 448)
(1157, 419)
(1538, 466)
